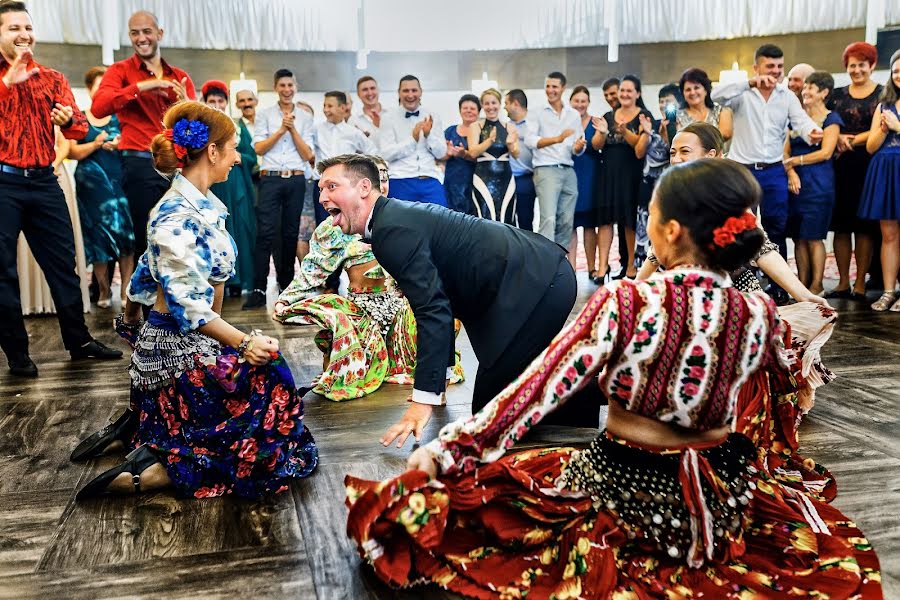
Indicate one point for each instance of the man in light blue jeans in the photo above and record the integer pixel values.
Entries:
(555, 136)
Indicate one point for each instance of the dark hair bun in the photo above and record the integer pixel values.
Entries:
(702, 195)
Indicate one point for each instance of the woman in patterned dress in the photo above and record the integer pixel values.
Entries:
(666, 501)
(368, 337)
(213, 410)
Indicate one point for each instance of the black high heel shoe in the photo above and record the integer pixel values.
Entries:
(137, 461)
(598, 279)
(122, 430)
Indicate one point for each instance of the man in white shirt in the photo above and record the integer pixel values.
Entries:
(283, 138)
(516, 104)
(369, 120)
(411, 139)
(763, 109)
(555, 135)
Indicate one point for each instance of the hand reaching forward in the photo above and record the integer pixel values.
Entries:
(422, 460)
(18, 71)
(412, 422)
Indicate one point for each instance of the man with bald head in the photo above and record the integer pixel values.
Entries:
(797, 77)
(139, 90)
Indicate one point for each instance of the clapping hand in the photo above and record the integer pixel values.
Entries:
(180, 88)
(113, 144)
(61, 115)
(512, 133)
(890, 121)
(646, 124)
(600, 124)
(455, 151)
(287, 121)
(426, 124)
(18, 70)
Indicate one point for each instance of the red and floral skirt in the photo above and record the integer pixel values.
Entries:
(506, 531)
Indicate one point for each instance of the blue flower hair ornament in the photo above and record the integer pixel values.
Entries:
(187, 135)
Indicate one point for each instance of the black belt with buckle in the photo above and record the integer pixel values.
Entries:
(760, 165)
(29, 173)
(556, 166)
(137, 153)
(282, 174)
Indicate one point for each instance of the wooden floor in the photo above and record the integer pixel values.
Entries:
(294, 545)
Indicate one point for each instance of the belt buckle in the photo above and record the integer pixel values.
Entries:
(30, 173)
(759, 166)
(285, 174)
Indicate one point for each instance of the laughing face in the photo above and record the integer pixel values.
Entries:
(345, 200)
(145, 34)
(16, 35)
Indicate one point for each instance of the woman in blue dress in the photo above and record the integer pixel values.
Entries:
(490, 144)
(213, 410)
(881, 193)
(102, 207)
(460, 168)
(586, 166)
(811, 182)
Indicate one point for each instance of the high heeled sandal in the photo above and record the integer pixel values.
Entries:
(884, 301)
(137, 461)
(896, 306)
(122, 429)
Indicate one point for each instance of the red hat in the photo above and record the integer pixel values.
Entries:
(214, 85)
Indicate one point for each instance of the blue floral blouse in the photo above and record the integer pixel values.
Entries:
(189, 251)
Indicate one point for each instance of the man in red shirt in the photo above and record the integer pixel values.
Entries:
(139, 90)
(34, 99)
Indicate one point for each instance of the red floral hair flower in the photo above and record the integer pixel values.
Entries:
(724, 235)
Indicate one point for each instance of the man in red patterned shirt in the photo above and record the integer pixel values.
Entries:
(139, 90)
(34, 99)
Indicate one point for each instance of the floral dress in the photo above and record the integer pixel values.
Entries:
(369, 336)
(617, 519)
(219, 424)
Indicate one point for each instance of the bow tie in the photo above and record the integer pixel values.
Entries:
(412, 114)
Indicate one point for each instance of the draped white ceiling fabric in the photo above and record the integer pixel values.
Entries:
(435, 25)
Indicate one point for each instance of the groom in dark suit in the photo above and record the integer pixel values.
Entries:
(512, 289)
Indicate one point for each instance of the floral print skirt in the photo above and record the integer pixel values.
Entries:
(508, 530)
(221, 426)
(363, 350)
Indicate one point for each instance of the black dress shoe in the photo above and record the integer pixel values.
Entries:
(135, 463)
(122, 430)
(21, 365)
(95, 349)
(257, 299)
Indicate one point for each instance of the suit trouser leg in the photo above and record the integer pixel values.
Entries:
(536, 333)
(525, 197)
(268, 214)
(143, 187)
(13, 337)
(548, 185)
(291, 207)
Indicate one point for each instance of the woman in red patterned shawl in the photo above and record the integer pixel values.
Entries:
(668, 500)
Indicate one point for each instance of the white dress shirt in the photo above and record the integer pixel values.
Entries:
(548, 123)
(523, 165)
(405, 156)
(760, 127)
(283, 156)
(364, 123)
(334, 139)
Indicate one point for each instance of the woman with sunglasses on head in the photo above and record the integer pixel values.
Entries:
(368, 337)
(213, 409)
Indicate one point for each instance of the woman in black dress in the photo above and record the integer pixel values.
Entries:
(855, 103)
(618, 185)
(490, 144)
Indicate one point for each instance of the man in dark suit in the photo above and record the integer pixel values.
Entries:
(512, 289)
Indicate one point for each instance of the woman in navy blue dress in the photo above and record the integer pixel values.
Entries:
(491, 143)
(811, 182)
(881, 193)
(586, 166)
(460, 168)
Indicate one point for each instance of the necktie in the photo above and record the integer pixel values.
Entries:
(412, 114)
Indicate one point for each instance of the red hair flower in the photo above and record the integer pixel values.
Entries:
(724, 235)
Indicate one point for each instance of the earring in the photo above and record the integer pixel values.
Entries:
(213, 162)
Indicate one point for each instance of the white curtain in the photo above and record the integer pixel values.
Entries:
(432, 25)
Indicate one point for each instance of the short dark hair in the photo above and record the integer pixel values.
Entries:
(701, 195)
(282, 73)
(698, 76)
(7, 6)
(768, 51)
(608, 83)
(92, 75)
(364, 79)
(469, 98)
(408, 78)
(580, 89)
(341, 97)
(517, 95)
(709, 135)
(671, 89)
(356, 167)
(557, 75)
(822, 80)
